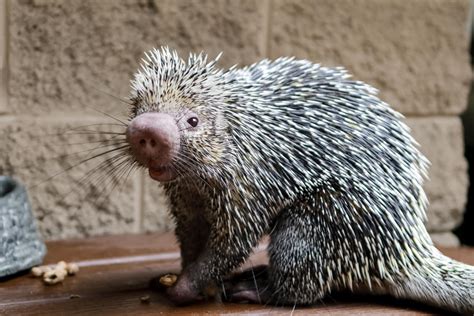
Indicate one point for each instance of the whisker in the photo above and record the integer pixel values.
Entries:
(75, 165)
(88, 132)
(62, 131)
(102, 144)
(133, 165)
(294, 307)
(223, 289)
(80, 182)
(94, 86)
(189, 159)
(104, 113)
(181, 169)
(112, 140)
(96, 124)
(190, 169)
(99, 175)
(112, 178)
(112, 117)
(90, 150)
(276, 292)
(255, 281)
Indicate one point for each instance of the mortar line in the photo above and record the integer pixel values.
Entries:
(142, 202)
(268, 28)
(136, 206)
(7, 49)
(73, 118)
(7, 118)
(56, 118)
(4, 9)
(469, 22)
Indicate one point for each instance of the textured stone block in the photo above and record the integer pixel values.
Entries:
(415, 52)
(62, 51)
(441, 141)
(78, 201)
(3, 57)
(3, 94)
(446, 239)
(156, 217)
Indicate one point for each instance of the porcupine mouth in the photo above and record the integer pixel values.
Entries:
(161, 173)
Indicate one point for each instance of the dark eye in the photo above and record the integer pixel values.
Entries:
(193, 121)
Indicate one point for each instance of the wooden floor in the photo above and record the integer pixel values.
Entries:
(115, 272)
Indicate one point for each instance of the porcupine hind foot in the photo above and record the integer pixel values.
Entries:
(251, 286)
(291, 278)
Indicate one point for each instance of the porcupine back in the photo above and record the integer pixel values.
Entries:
(301, 128)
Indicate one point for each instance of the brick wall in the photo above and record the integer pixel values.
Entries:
(58, 58)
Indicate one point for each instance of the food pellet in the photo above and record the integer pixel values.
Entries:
(72, 268)
(37, 271)
(61, 265)
(55, 274)
(168, 279)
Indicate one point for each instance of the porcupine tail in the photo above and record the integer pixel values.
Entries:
(440, 281)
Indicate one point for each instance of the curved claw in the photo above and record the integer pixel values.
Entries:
(183, 293)
(249, 286)
(246, 296)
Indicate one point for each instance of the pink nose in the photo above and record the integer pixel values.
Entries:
(153, 138)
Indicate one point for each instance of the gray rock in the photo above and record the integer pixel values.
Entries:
(20, 245)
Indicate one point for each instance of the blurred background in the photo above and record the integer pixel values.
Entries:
(60, 60)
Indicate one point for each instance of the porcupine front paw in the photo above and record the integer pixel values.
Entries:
(249, 286)
(183, 292)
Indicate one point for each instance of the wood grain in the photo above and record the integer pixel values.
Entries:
(115, 273)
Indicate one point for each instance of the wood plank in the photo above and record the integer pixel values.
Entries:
(115, 272)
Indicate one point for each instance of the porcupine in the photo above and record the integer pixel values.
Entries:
(298, 151)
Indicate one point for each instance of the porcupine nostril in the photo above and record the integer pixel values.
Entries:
(148, 142)
(153, 137)
(144, 142)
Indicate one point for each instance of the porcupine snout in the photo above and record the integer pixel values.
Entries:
(154, 140)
